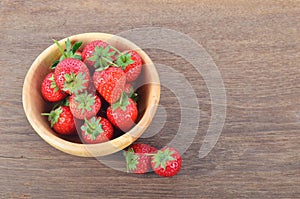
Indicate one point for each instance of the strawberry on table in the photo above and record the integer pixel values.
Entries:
(71, 75)
(50, 90)
(166, 162)
(137, 158)
(84, 105)
(96, 130)
(110, 83)
(131, 63)
(61, 120)
(123, 113)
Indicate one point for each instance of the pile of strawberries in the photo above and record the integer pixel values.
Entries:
(94, 87)
(73, 84)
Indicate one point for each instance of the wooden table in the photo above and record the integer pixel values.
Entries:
(256, 47)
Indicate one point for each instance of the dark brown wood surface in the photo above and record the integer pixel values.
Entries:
(256, 46)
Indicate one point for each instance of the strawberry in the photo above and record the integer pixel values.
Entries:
(69, 52)
(61, 120)
(131, 63)
(84, 105)
(166, 162)
(71, 75)
(137, 158)
(123, 113)
(89, 51)
(110, 83)
(50, 90)
(96, 130)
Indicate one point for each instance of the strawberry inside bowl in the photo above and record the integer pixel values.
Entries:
(147, 86)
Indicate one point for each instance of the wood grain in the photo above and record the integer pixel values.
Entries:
(256, 46)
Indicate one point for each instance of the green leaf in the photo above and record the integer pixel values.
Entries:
(54, 115)
(162, 157)
(62, 58)
(102, 56)
(54, 64)
(60, 47)
(68, 45)
(69, 52)
(76, 46)
(124, 60)
(131, 159)
(122, 103)
(74, 82)
(53, 83)
(66, 101)
(134, 97)
(85, 101)
(77, 57)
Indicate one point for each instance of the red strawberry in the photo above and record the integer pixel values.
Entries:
(84, 105)
(110, 83)
(137, 158)
(50, 90)
(123, 113)
(61, 120)
(166, 162)
(96, 130)
(71, 51)
(131, 63)
(89, 51)
(71, 75)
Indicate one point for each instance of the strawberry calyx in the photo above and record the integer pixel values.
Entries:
(130, 92)
(53, 116)
(69, 52)
(124, 60)
(122, 103)
(53, 83)
(85, 101)
(162, 157)
(74, 82)
(102, 56)
(92, 127)
(131, 159)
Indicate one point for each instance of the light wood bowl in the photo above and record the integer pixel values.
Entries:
(34, 104)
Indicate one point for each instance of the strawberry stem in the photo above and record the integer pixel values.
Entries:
(116, 50)
(110, 62)
(45, 114)
(122, 103)
(53, 116)
(92, 127)
(60, 47)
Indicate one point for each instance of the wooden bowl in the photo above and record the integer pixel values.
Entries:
(34, 104)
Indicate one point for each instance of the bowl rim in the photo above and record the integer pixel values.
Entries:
(109, 147)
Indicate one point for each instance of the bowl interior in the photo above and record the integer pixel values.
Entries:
(34, 104)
